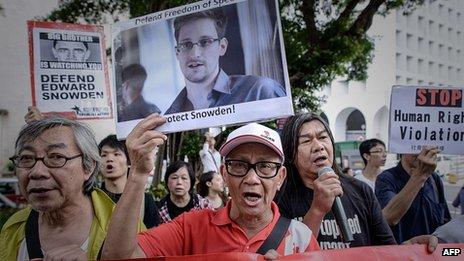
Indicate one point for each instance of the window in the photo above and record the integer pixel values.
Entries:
(421, 24)
(431, 68)
(421, 44)
(431, 48)
(410, 42)
(409, 64)
(421, 66)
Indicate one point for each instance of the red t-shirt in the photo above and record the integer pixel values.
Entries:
(207, 231)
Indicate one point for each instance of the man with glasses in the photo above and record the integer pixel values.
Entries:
(253, 171)
(374, 156)
(411, 195)
(56, 161)
(201, 42)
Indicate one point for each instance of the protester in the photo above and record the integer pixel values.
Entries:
(67, 217)
(459, 200)
(309, 146)
(211, 187)
(210, 157)
(348, 172)
(201, 42)
(374, 156)
(133, 79)
(242, 225)
(411, 195)
(115, 168)
(70, 51)
(180, 180)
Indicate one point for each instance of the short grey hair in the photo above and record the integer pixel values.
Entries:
(83, 136)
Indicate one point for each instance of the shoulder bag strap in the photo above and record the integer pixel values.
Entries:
(276, 236)
(34, 249)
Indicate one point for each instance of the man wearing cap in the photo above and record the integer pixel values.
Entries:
(253, 171)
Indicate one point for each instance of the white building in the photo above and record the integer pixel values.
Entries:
(423, 48)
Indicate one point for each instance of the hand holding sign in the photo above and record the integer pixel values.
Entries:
(142, 143)
(425, 163)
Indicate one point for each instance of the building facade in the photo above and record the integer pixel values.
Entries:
(423, 48)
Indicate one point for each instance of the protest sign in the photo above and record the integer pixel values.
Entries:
(209, 63)
(68, 70)
(426, 116)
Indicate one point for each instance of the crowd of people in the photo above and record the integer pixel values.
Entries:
(273, 186)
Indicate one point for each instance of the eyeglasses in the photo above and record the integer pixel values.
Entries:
(188, 45)
(264, 169)
(378, 151)
(52, 161)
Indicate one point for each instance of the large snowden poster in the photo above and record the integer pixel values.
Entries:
(210, 63)
(68, 70)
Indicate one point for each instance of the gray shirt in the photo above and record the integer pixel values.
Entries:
(232, 89)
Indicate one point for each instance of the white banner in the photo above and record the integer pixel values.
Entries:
(209, 63)
(426, 116)
(68, 70)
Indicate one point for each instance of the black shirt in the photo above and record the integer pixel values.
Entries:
(151, 216)
(365, 218)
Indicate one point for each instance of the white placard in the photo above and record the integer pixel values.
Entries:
(426, 116)
(68, 70)
(201, 77)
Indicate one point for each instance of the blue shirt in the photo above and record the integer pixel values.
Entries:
(232, 89)
(428, 210)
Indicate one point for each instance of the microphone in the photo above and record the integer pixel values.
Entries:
(339, 211)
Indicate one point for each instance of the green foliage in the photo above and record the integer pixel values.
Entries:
(158, 191)
(191, 145)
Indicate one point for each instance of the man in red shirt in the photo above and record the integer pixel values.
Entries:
(253, 171)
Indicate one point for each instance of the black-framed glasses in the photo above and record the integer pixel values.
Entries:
(203, 43)
(378, 151)
(264, 169)
(52, 161)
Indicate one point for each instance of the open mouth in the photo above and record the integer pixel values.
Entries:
(319, 160)
(251, 197)
(109, 167)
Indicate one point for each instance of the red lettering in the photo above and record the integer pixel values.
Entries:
(444, 97)
(456, 95)
(433, 93)
(420, 98)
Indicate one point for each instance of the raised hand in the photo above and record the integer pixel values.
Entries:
(143, 142)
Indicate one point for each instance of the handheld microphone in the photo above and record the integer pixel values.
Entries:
(339, 211)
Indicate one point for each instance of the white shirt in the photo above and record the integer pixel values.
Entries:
(211, 159)
(366, 180)
(24, 255)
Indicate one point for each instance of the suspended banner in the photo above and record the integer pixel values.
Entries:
(206, 64)
(68, 70)
(426, 116)
(445, 252)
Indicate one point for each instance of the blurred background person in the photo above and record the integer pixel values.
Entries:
(181, 198)
(115, 169)
(374, 155)
(459, 200)
(211, 187)
(210, 157)
(348, 171)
